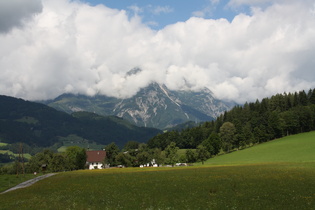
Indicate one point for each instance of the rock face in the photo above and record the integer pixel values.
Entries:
(154, 106)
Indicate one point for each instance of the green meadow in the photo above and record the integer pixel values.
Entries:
(274, 175)
(25, 155)
(295, 148)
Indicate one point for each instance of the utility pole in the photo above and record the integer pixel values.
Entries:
(18, 165)
(21, 148)
(20, 159)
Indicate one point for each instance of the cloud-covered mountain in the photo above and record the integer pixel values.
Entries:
(153, 106)
(59, 46)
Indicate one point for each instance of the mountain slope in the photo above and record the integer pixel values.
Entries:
(153, 106)
(40, 125)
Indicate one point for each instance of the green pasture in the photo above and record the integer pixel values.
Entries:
(274, 175)
(261, 186)
(3, 144)
(28, 120)
(74, 140)
(25, 155)
(295, 148)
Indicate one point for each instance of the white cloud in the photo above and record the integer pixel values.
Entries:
(74, 47)
(157, 10)
(256, 2)
(207, 11)
(136, 9)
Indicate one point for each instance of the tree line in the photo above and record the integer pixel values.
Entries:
(135, 154)
(73, 158)
(257, 122)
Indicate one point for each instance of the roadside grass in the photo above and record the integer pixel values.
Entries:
(3, 144)
(257, 186)
(8, 180)
(295, 148)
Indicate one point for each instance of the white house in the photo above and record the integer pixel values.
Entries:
(95, 159)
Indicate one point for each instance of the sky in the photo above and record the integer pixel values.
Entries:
(242, 50)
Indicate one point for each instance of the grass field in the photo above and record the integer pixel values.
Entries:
(271, 186)
(3, 144)
(296, 148)
(274, 175)
(25, 155)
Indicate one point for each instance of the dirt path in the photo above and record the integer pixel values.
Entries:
(28, 182)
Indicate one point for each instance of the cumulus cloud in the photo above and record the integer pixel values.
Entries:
(74, 47)
(157, 10)
(14, 12)
(261, 3)
(207, 10)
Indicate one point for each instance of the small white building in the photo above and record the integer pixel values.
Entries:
(95, 159)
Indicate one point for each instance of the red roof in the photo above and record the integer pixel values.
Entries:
(95, 156)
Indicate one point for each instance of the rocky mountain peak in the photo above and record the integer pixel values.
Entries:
(153, 106)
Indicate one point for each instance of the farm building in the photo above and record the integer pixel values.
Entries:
(95, 159)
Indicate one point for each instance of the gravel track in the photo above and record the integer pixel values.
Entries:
(28, 182)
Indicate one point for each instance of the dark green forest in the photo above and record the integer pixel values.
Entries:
(246, 125)
(38, 125)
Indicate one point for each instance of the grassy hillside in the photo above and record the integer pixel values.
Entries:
(295, 148)
(274, 175)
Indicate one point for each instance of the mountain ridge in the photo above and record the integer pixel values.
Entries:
(40, 125)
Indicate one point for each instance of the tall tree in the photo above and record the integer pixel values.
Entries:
(131, 145)
(143, 158)
(76, 157)
(303, 98)
(158, 156)
(227, 134)
(125, 159)
(212, 144)
(112, 151)
(312, 97)
(171, 153)
(191, 156)
(58, 163)
(202, 153)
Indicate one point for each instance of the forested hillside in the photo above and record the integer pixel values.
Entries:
(39, 125)
(261, 121)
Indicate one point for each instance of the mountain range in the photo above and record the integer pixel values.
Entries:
(153, 106)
